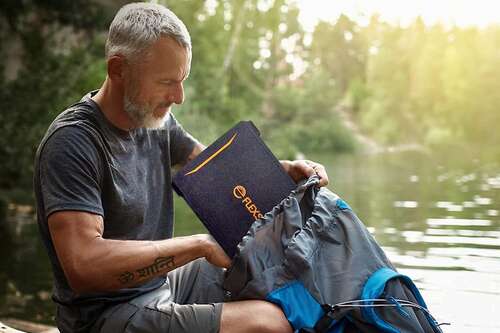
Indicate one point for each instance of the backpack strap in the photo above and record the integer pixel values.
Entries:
(374, 289)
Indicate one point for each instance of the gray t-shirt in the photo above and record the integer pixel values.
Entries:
(85, 163)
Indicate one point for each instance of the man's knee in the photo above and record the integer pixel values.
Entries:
(272, 319)
(253, 316)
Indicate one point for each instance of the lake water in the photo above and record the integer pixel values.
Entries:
(437, 219)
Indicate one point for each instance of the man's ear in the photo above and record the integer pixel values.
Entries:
(116, 68)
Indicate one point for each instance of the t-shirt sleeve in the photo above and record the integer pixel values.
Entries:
(70, 175)
(181, 142)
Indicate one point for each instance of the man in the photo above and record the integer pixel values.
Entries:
(104, 198)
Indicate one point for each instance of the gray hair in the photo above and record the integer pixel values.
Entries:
(136, 26)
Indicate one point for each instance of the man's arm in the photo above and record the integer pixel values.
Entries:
(92, 263)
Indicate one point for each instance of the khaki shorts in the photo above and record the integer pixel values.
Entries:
(189, 301)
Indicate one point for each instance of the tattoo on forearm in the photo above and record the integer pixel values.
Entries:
(160, 264)
(126, 277)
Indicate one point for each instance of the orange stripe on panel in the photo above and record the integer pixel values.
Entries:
(212, 156)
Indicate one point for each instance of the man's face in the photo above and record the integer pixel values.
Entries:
(155, 82)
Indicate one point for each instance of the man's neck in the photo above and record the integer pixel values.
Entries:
(110, 102)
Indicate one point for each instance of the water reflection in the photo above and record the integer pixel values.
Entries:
(457, 222)
(438, 223)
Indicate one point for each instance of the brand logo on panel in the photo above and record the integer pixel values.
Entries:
(240, 192)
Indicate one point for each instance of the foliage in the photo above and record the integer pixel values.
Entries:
(51, 75)
(241, 70)
(432, 85)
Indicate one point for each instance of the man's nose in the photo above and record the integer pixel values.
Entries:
(177, 94)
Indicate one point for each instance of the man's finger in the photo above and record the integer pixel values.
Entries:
(323, 177)
(320, 171)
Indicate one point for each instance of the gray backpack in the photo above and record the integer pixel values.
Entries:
(314, 258)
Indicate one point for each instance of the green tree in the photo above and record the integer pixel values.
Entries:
(56, 48)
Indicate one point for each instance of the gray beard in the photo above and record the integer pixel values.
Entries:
(142, 116)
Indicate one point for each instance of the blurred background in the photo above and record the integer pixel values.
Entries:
(398, 99)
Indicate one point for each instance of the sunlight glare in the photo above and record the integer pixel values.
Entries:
(448, 12)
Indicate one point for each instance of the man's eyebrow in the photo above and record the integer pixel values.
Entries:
(171, 80)
(165, 79)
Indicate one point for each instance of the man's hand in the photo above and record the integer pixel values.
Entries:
(215, 254)
(301, 169)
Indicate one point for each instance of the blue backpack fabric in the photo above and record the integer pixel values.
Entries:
(314, 258)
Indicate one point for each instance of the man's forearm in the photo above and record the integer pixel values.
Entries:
(92, 263)
(129, 263)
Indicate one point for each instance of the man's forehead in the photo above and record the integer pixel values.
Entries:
(167, 44)
(168, 54)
